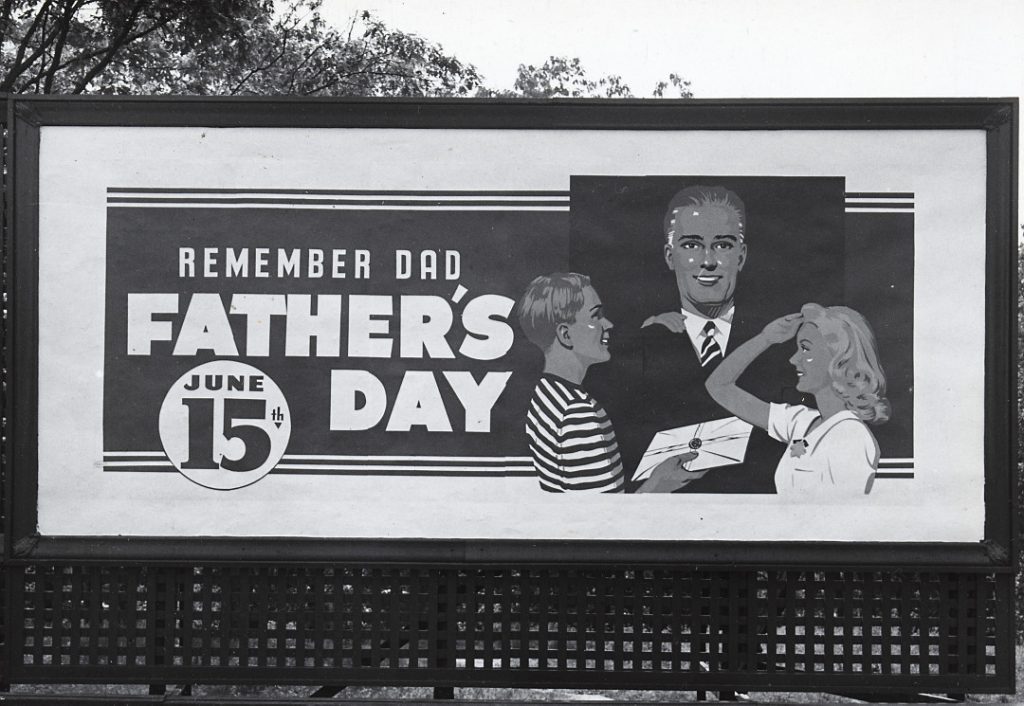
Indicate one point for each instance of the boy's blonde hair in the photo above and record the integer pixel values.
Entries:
(548, 301)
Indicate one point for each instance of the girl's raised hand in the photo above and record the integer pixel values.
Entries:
(783, 328)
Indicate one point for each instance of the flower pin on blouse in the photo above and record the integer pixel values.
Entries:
(798, 448)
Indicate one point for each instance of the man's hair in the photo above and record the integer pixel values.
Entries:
(548, 301)
(700, 196)
(857, 375)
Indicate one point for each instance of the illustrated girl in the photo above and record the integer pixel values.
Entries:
(831, 450)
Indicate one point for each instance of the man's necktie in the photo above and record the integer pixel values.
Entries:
(709, 350)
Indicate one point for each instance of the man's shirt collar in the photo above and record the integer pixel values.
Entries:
(695, 324)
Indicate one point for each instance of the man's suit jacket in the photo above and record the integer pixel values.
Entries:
(654, 381)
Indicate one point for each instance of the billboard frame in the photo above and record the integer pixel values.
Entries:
(999, 118)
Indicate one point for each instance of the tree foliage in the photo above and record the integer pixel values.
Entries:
(244, 47)
(562, 77)
(297, 53)
(68, 46)
(565, 77)
(216, 47)
(675, 84)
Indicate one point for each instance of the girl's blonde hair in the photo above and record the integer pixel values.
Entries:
(857, 376)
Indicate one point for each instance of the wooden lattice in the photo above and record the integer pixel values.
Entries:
(508, 626)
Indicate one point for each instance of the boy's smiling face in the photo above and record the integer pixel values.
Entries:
(589, 332)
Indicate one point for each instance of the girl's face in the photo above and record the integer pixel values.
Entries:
(811, 360)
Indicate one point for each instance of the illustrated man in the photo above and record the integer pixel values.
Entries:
(571, 439)
(666, 363)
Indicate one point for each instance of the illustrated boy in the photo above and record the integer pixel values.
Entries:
(571, 438)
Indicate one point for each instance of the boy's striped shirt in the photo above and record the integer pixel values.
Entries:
(571, 439)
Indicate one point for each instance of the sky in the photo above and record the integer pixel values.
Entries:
(734, 48)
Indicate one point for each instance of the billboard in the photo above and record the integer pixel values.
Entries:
(530, 332)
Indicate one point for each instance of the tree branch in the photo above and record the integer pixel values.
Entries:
(259, 69)
(115, 46)
(70, 8)
(352, 26)
(342, 78)
(85, 56)
(42, 50)
(310, 78)
(19, 64)
(25, 40)
(301, 64)
(324, 86)
(5, 16)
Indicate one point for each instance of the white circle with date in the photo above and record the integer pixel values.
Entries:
(225, 424)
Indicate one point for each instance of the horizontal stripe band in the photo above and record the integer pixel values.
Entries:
(405, 472)
(410, 467)
(133, 453)
(879, 194)
(338, 192)
(363, 458)
(902, 461)
(369, 459)
(528, 463)
(337, 207)
(287, 469)
(320, 198)
(134, 468)
(115, 464)
(347, 467)
(334, 202)
(880, 204)
(326, 471)
(879, 210)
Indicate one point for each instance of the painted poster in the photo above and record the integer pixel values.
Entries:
(522, 334)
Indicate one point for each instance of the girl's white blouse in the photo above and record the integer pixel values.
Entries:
(838, 458)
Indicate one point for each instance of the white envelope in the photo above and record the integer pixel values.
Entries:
(721, 442)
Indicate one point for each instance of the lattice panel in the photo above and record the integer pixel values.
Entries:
(506, 626)
(4, 598)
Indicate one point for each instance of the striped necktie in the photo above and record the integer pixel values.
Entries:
(709, 350)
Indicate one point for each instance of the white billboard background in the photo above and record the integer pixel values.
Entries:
(944, 169)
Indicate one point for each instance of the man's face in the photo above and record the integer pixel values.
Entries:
(589, 332)
(706, 254)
